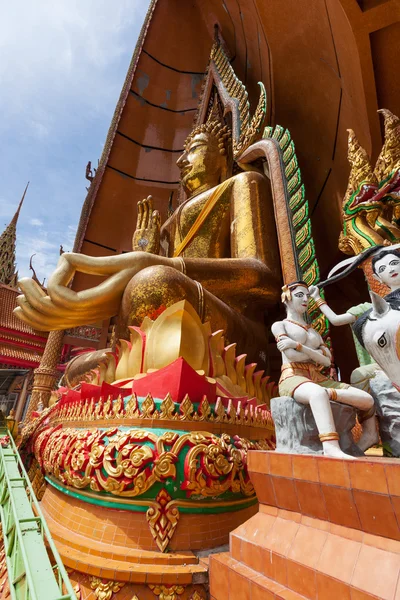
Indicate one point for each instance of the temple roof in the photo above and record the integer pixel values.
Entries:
(8, 273)
(326, 66)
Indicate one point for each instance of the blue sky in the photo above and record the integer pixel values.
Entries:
(62, 68)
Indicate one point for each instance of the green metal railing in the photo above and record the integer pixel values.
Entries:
(31, 574)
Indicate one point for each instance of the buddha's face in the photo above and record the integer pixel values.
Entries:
(387, 269)
(298, 302)
(201, 163)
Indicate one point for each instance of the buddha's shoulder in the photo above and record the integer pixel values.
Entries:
(248, 177)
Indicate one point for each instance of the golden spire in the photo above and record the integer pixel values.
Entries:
(361, 170)
(389, 158)
(8, 273)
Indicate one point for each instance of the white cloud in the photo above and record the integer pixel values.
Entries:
(36, 222)
(62, 69)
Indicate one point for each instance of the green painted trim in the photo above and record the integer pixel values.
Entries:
(138, 508)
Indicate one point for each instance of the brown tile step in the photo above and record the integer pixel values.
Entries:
(104, 550)
(231, 580)
(120, 570)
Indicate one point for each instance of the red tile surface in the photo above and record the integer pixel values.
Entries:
(258, 461)
(393, 478)
(281, 536)
(307, 546)
(376, 572)
(239, 586)
(376, 514)
(338, 558)
(252, 556)
(368, 475)
(340, 506)
(263, 486)
(301, 579)
(311, 500)
(331, 589)
(305, 468)
(280, 464)
(219, 576)
(334, 471)
(235, 546)
(285, 493)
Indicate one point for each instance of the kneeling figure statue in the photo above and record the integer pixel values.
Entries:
(304, 354)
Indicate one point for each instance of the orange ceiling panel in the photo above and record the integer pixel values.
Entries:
(142, 162)
(113, 217)
(169, 89)
(152, 126)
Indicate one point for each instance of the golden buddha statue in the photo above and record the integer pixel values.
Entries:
(218, 250)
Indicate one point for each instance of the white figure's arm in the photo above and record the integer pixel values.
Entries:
(316, 355)
(296, 352)
(344, 319)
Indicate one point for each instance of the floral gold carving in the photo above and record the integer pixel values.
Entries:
(162, 518)
(129, 463)
(197, 596)
(104, 590)
(167, 593)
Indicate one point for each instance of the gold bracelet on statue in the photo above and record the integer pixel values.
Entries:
(278, 337)
(329, 437)
(320, 302)
(299, 347)
(332, 393)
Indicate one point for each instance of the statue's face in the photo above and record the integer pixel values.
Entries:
(299, 299)
(388, 270)
(201, 164)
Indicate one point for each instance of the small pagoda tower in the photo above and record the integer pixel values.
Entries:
(8, 273)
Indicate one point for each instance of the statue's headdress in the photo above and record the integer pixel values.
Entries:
(224, 103)
(288, 287)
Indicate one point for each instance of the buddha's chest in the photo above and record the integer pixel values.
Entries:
(211, 238)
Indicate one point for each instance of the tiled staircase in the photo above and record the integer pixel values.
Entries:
(326, 529)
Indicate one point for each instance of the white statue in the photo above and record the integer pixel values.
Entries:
(378, 330)
(303, 354)
(386, 267)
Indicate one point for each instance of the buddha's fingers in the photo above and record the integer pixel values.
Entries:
(156, 220)
(19, 313)
(31, 290)
(145, 212)
(139, 215)
(34, 318)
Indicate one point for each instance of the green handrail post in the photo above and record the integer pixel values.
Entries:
(26, 536)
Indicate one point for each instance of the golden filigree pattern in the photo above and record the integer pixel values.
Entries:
(104, 590)
(129, 463)
(162, 518)
(167, 593)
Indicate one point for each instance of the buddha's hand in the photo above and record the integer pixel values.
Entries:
(314, 292)
(147, 235)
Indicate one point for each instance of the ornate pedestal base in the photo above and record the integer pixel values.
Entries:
(108, 547)
(326, 528)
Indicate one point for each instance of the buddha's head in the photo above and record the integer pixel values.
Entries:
(205, 160)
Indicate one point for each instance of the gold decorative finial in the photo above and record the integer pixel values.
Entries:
(389, 158)
(361, 170)
(8, 273)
